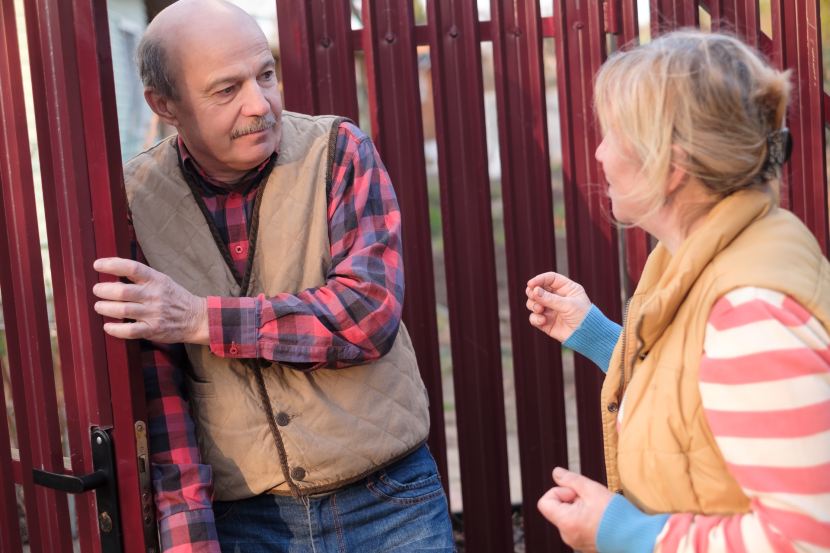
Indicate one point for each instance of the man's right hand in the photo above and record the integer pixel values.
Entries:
(161, 310)
(557, 304)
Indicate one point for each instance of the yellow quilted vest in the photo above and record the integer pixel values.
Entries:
(328, 427)
(665, 458)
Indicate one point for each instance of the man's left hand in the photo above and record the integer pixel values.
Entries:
(163, 310)
(575, 507)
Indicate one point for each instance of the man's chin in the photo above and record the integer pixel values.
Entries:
(256, 147)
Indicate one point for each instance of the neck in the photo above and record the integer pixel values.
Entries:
(680, 217)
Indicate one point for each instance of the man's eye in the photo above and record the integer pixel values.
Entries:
(267, 76)
(226, 91)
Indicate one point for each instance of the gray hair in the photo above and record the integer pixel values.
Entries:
(153, 67)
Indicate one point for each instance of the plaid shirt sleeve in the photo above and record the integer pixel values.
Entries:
(354, 317)
(182, 484)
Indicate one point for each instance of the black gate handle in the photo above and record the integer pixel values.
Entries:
(70, 484)
(103, 481)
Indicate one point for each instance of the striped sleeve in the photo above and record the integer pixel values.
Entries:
(765, 387)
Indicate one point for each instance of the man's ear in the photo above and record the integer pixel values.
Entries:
(162, 106)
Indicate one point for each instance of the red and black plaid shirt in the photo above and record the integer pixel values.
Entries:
(351, 319)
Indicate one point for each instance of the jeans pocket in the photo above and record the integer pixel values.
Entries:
(413, 479)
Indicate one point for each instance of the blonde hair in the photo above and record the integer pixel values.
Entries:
(709, 95)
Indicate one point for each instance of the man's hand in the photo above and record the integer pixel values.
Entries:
(162, 310)
(557, 304)
(575, 507)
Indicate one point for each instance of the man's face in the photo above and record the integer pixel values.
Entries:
(229, 105)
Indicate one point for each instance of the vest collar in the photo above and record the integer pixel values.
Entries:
(667, 278)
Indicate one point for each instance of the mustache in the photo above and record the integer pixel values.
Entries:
(261, 123)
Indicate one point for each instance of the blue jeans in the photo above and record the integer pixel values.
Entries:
(401, 508)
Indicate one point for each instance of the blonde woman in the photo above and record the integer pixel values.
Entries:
(716, 403)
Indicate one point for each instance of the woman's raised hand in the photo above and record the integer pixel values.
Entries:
(557, 304)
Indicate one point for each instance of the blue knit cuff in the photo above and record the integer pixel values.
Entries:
(595, 338)
(626, 529)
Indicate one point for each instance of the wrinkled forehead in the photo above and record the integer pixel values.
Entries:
(204, 50)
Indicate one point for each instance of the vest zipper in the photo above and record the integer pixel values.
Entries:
(621, 387)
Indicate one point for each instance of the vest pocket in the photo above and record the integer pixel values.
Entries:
(200, 388)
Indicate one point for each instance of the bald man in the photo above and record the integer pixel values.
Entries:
(286, 408)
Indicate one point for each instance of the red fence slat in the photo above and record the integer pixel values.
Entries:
(9, 526)
(592, 240)
(108, 359)
(470, 263)
(27, 331)
(807, 171)
(737, 16)
(529, 233)
(630, 22)
(392, 70)
(78, 399)
(317, 58)
(86, 218)
(673, 14)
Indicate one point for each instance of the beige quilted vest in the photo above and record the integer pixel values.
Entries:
(665, 458)
(328, 427)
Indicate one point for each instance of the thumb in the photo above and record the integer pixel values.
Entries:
(565, 478)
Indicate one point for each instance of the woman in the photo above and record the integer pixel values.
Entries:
(716, 403)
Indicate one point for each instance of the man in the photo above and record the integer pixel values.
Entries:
(273, 305)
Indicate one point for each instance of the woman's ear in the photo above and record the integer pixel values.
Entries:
(678, 174)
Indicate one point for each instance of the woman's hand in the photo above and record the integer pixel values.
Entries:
(557, 304)
(575, 507)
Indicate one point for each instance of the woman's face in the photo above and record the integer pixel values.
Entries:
(622, 171)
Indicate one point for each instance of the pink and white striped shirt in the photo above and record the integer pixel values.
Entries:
(765, 387)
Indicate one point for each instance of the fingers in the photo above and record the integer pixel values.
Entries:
(565, 495)
(550, 281)
(549, 300)
(120, 267)
(117, 291)
(552, 507)
(532, 305)
(120, 310)
(128, 331)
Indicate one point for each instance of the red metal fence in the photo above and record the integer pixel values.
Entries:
(80, 167)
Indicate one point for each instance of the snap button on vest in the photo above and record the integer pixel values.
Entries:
(283, 419)
(297, 473)
(613, 407)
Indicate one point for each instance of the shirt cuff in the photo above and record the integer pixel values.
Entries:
(189, 532)
(234, 326)
(626, 529)
(595, 338)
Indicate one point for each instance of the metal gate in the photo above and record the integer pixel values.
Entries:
(80, 164)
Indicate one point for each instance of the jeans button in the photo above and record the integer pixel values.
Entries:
(297, 473)
(283, 419)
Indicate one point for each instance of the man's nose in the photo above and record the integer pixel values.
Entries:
(255, 104)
